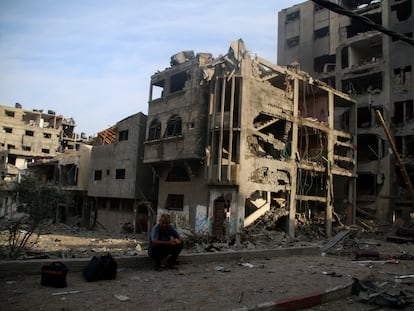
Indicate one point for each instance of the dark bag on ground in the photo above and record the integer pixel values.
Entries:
(102, 268)
(54, 275)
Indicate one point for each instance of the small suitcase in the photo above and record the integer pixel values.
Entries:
(54, 275)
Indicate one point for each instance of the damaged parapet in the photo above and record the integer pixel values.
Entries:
(276, 141)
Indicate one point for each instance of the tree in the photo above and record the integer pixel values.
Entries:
(38, 201)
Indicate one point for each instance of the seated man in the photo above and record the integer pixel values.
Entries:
(164, 241)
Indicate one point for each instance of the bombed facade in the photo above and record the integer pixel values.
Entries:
(375, 69)
(234, 137)
(121, 189)
(26, 136)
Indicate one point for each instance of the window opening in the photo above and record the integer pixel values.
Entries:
(9, 113)
(292, 42)
(175, 202)
(8, 130)
(292, 16)
(157, 90)
(154, 130)
(177, 82)
(29, 133)
(173, 126)
(120, 173)
(123, 135)
(320, 33)
(324, 64)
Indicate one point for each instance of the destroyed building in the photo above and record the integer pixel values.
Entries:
(234, 137)
(25, 136)
(375, 69)
(69, 170)
(121, 189)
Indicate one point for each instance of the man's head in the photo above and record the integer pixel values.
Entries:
(164, 221)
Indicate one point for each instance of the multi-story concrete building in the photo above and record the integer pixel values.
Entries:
(235, 137)
(375, 69)
(27, 135)
(121, 189)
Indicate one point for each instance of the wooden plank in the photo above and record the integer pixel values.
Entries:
(332, 242)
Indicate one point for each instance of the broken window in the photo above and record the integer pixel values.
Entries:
(177, 82)
(8, 130)
(402, 77)
(405, 146)
(154, 130)
(9, 113)
(324, 63)
(29, 133)
(364, 117)
(123, 135)
(292, 16)
(47, 135)
(360, 85)
(369, 147)
(175, 202)
(292, 42)
(174, 126)
(320, 33)
(69, 175)
(403, 10)
(403, 111)
(178, 173)
(366, 184)
(358, 27)
(409, 146)
(120, 173)
(157, 90)
(97, 175)
(11, 159)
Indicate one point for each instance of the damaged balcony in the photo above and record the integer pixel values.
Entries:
(363, 54)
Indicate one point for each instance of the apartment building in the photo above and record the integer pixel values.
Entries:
(26, 135)
(235, 137)
(121, 189)
(375, 69)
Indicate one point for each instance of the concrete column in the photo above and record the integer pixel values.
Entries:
(293, 167)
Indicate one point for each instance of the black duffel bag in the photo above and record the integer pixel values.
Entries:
(102, 268)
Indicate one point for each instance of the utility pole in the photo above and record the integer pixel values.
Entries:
(403, 171)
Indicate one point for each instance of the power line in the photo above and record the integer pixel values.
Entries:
(363, 19)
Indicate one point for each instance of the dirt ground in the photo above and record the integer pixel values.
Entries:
(227, 285)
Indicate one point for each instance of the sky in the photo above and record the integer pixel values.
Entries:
(93, 60)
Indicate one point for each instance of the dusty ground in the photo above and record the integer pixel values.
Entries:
(202, 286)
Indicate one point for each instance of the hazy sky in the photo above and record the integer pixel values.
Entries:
(93, 60)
